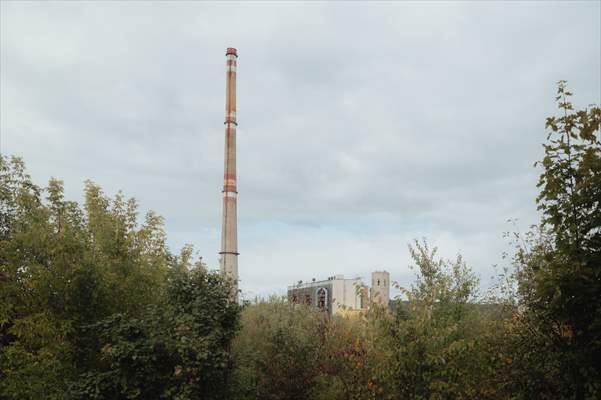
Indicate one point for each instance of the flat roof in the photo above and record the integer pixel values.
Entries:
(303, 285)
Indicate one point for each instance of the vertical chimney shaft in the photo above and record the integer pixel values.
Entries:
(229, 228)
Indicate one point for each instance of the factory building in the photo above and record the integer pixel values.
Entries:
(336, 294)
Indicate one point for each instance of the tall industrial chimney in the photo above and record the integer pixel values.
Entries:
(229, 228)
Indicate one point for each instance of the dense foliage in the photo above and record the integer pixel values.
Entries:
(559, 263)
(434, 345)
(94, 306)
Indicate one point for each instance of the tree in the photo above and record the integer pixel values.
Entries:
(557, 336)
(435, 340)
(178, 349)
(277, 352)
(91, 300)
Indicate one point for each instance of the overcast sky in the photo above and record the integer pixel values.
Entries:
(361, 126)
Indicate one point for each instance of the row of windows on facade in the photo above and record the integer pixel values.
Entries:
(322, 299)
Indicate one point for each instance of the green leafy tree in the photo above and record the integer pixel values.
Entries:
(38, 359)
(350, 359)
(277, 352)
(285, 352)
(558, 335)
(178, 349)
(435, 340)
(91, 300)
(570, 199)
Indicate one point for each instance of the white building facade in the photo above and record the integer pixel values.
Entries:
(336, 294)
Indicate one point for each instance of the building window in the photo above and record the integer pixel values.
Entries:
(322, 299)
(294, 299)
(308, 299)
(378, 282)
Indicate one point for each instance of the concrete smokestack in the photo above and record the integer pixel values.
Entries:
(229, 228)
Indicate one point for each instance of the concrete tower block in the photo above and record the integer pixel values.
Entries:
(380, 287)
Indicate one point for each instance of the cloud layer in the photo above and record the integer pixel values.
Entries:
(362, 126)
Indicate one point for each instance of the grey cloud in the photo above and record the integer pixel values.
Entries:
(399, 118)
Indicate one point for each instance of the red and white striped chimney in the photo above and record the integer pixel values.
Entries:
(229, 228)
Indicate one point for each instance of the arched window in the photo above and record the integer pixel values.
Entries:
(378, 282)
(308, 299)
(294, 299)
(322, 298)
